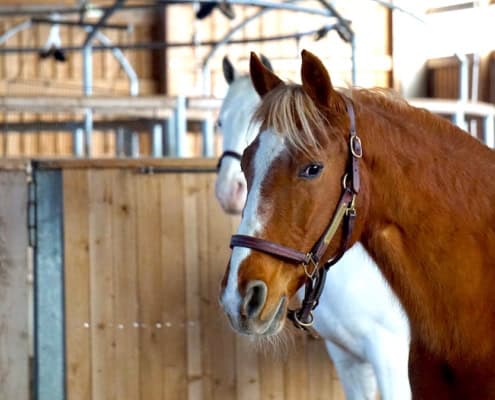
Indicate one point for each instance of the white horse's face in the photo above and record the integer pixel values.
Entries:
(235, 124)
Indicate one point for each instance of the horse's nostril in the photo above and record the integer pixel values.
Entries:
(255, 298)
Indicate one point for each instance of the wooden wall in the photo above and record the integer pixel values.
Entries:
(14, 292)
(178, 69)
(370, 21)
(26, 74)
(144, 256)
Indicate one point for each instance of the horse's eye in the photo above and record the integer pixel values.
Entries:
(218, 123)
(311, 171)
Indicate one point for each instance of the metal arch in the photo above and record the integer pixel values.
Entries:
(330, 12)
(223, 41)
(15, 30)
(124, 63)
(107, 14)
(401, 9)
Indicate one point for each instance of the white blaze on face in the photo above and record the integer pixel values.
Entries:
(269, 148)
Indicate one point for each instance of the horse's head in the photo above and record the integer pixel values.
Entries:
(295, 174)
(234, 121)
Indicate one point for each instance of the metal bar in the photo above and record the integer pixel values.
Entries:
(106, 14)
(180, 127)
(88, 91)
(120, 144)
(134, 144)
(48, 21)
(489, 128)
(49, 287)
(124, 63)
(157, 140)
(231, 33)
(78, 142)
(15, 30)
(43, 10)
(401, 9)
(464, 77)
(159, 45)
(170, 129)
(208, 137)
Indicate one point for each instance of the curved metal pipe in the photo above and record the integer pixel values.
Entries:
(15, 30)
(124, 63)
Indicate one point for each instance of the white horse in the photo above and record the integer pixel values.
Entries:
(364, 327)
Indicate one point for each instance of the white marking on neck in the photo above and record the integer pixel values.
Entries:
(270, 146)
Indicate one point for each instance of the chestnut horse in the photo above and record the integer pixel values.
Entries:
(364, 327)
(414, 189)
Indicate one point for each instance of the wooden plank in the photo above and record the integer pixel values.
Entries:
(14, 345)
(150, 278)
(173, 243)
(174, 164)
(322, 378)
(220, 366)
(272, 376)
(296, 371)
(125, 266)
(77, 285)
(248, 374)
(191, 197)
(102, 285)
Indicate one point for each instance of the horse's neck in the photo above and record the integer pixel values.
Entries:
(430, 223)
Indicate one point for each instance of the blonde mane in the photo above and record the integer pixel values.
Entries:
(291, 113)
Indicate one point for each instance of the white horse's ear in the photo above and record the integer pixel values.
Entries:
(266, 62)
(229, 71)
(262, 78)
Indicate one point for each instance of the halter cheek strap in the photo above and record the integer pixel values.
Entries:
(344, 215)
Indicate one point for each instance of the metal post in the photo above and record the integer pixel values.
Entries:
(157, 140)
(489, 123)
(208, 137)
(49, 289)
(170, 129)
(78, 142)
(119, 142)
(180, 127)
(88, 91)
(134, 144)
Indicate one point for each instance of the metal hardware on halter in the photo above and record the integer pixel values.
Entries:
(304, 324)
(343, 216)
(305, 265)
(356, 151)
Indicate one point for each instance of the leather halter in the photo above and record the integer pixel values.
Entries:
(228, 153)
(344, 214)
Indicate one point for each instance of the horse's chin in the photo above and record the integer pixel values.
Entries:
(272, 326)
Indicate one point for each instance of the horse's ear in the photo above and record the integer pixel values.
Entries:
(229, 71)
(263, 79)
(315, 79)
(266, 62)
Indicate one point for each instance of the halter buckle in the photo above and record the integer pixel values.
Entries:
(356, 147)
(309, 260)
(351, 208)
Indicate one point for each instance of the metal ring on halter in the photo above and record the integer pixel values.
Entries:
(345, 181)
(356, 151)
(304, 324)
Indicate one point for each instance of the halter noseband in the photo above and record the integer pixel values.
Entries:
(344, 213)
(228, 153)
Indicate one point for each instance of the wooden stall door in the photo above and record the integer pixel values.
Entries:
(14, 343)
(144, 256)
